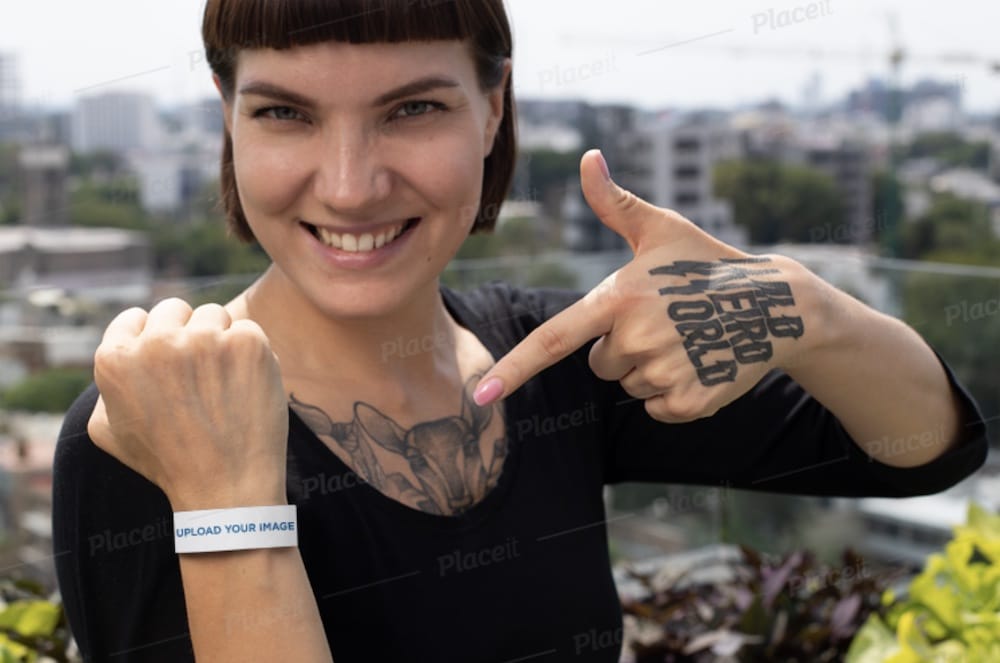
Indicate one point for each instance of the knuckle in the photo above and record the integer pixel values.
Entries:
(170, 302)
(210, 307)
(681, 408)
(201, 337)
(632, 347)
(552, 343)
(626, 201)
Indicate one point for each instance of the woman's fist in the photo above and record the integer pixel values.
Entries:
(193, 401)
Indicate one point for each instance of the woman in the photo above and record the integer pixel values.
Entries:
(448, 501)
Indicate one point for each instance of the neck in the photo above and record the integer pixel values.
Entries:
(408, 347)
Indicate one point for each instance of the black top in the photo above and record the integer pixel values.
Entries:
(522, 575)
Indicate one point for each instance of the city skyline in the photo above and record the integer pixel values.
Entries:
(721, 54)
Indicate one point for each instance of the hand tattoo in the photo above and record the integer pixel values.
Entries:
(443, 454)
(733, 316)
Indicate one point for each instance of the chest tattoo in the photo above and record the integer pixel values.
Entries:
(442, 454)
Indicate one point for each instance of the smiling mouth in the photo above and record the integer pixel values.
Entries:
(363, 242)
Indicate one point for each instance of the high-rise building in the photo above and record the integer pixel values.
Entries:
(115, 121)
(10, 96)
(669, 162)
(44, 170)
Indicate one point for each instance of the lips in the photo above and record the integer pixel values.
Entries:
(361, 242)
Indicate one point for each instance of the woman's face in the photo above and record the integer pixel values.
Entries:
(359, 167)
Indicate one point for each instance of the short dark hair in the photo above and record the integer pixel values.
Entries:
(230, 26)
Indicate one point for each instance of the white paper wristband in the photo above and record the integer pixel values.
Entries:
(242, 528)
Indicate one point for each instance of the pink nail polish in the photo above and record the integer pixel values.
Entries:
(488, 392)
(604, 166)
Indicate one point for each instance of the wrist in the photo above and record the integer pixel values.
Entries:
(824, 318)
(270, 493)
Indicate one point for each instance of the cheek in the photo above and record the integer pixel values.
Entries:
(455, 175)
(268, 180)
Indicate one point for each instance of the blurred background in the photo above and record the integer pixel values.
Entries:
(860, 138)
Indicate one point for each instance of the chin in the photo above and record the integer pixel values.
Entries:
(367, 302)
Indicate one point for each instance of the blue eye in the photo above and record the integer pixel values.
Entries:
(416, 108)
(280, 113)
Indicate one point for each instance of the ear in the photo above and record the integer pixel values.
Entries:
(478, 418)
(227, 109)
(496, 97)
(380, 428)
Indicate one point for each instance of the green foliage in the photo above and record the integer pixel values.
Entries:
(204, 248)
(548, 169)
(516, 239)
(113, 204)
(952, 225)
(789, 609)
(950, 149)
(49, 391)
(887, 211)
(549, 275)
(779, 202)
(957, 316)
(96, 164)
(952, 611)
(30, 625)
(10, 201)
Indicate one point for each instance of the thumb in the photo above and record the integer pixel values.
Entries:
(622, 211)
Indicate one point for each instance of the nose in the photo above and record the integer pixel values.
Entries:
(351, 175)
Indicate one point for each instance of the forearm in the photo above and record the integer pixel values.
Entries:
(879, 378)
(252, 605)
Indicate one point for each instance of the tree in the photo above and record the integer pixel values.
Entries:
(886, 210)
(950, 149)
(952, 225)
(53, 390)
(204, 248)
(10, 201)
(548, 169)
(113, 204)
(958, 316)
(779, 202)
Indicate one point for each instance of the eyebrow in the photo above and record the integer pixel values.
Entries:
(419, 86)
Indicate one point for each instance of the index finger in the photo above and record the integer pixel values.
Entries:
(125, 326)
(553, 340)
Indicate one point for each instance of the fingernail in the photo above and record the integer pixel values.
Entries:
(488, 392)
(604, 166)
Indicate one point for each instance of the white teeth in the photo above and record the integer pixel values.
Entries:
(356, 243)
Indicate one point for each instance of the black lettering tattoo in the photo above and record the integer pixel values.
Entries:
(733, 321)
(443, 455)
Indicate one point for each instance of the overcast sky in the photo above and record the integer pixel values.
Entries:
(653, 53)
